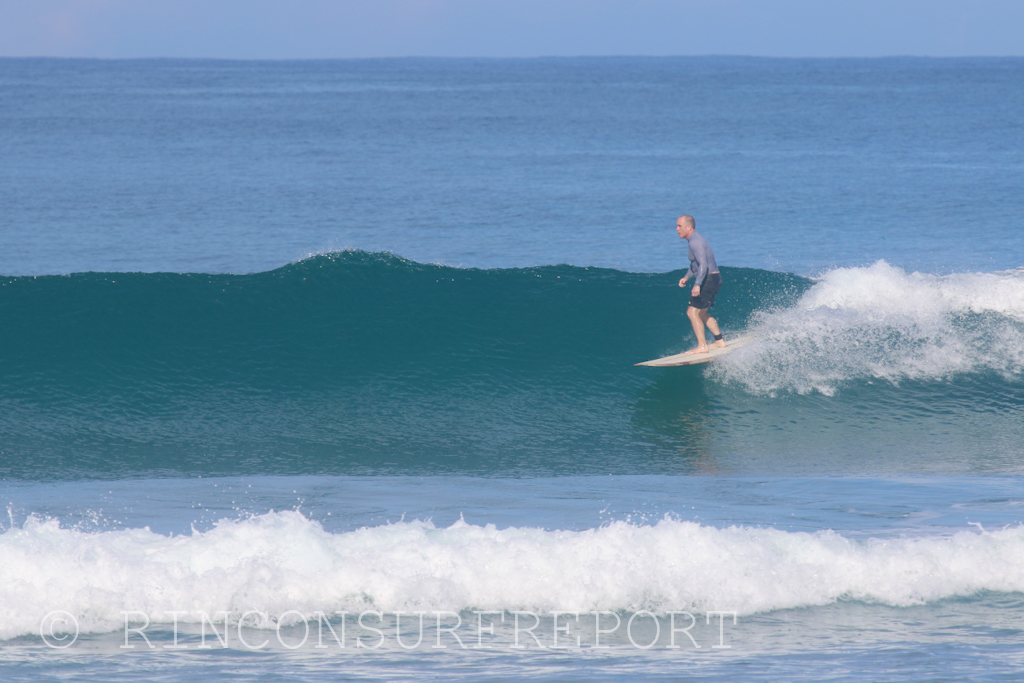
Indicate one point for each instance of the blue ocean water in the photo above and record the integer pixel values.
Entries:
(283, 340)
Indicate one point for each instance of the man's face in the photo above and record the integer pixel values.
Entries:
(683, 229)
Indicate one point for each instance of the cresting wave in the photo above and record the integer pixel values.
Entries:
(283, 561)
(355, 362)
(344, 316)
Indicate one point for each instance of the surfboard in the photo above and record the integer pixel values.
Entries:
(695, 359)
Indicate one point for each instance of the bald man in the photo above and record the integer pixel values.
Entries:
(706, 282)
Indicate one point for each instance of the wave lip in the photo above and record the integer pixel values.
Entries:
(880, 322)
(283, 561)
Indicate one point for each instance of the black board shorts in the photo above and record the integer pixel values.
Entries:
(712, 283)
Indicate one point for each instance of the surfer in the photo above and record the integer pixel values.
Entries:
(706, 282)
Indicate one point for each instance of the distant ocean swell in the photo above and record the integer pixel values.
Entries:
(283, 561)
(356, 360)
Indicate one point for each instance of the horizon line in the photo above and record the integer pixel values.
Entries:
(513, 58)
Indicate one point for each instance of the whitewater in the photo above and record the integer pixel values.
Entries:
(882, 323)
(282, 562)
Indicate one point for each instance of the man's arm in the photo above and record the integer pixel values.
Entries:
(691, 270)
(696, 288)
(699, 267)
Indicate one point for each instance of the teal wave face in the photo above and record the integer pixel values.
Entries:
(341, 318)
(360, 362)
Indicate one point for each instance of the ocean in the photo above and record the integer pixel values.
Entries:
(324, 370)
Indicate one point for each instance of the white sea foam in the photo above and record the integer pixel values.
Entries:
(880, 322)
(283, 561)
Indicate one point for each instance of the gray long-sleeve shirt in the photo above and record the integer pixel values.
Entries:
(702, 259)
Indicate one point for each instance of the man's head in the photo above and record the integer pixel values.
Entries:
(686, 226)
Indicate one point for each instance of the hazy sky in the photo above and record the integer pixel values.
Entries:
(508, 28)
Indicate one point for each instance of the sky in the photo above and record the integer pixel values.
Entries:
(317, 29)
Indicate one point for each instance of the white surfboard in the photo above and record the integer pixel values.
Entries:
(695, 358)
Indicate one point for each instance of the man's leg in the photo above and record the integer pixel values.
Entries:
(713, 326)
(694, 314)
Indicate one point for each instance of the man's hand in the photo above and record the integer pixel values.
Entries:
(695, 291)
(682, 283)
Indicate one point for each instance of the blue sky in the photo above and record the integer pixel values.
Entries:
(276, 29)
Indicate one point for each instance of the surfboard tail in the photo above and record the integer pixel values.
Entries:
(680, 359)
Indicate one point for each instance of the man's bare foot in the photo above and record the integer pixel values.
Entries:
(699, 349)
(720, 344)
